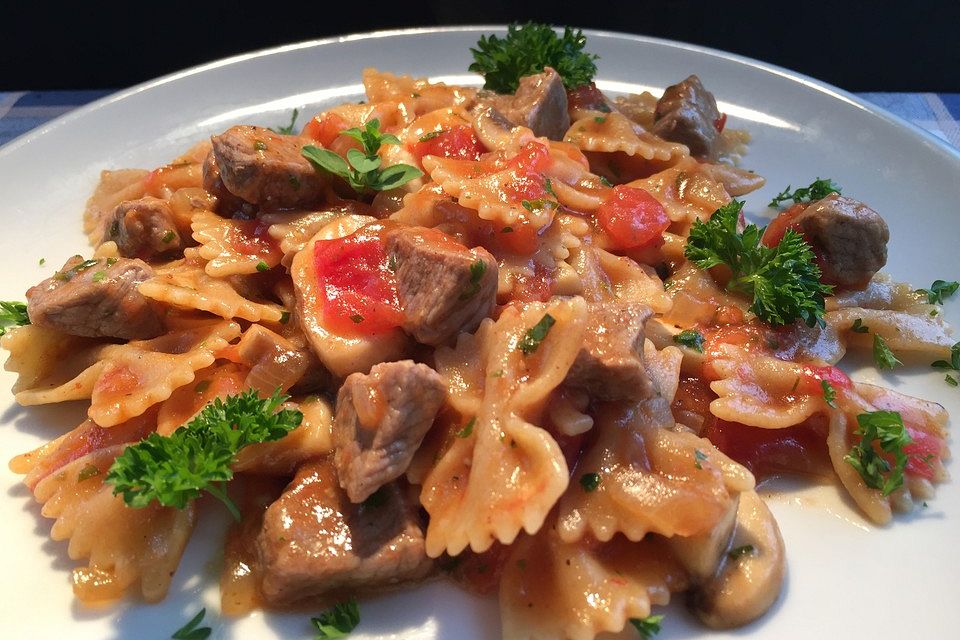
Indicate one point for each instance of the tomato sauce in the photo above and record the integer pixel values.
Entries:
(251, 238)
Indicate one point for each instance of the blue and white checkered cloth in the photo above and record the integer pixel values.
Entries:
(21, 111)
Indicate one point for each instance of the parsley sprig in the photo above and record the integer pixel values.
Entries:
(338, 622)
(819, 188)
(288, 130)
(784, 281)
(361, 169)
(526, 50)
(883, 429)
(12, 314)
(939, 290)
(173, 470)
(882, 354)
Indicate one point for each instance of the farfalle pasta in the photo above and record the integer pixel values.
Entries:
(522, 337)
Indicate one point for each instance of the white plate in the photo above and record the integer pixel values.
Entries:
(847, 578)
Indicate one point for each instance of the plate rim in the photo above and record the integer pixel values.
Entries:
(794, 76)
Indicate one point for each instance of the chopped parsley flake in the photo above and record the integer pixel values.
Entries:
(883, 429)
(12, 314)
(699, 457)
(338, 622)
(467, 428)
(590, 482)
(939, 290)
(536, 334)
(263, 266)
(691, 339)
(168, 236)
(477, 269)
(192, 630)
(882, 354)
(829, 393)
(287, 130)
(859, 327)
(953, 365)
(647, 627)
(433, 134)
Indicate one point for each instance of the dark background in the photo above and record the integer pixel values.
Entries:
(859, 46)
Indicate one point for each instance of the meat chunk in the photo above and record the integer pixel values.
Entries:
(314, 541)
(687, 113)
(849, 237)
(610, 365)
(444, 288)
(97, 299)
(381, 418)
(227, 203)
(143, 228)
(540, 103)
(266, 168)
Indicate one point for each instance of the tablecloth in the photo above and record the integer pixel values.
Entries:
(21, 111)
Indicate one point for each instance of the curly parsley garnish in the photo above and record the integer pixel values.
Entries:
(691, 339)
(173, 470)
(882, 354)
(784, 281)
(526, 50)
(192, 630)
(338, 622)
(12, 314)
(531, 340)
(818, 189)
(362, 169)
(647, 627)
(885, 430)
(939, 290)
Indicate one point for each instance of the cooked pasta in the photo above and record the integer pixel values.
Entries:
(503, 329)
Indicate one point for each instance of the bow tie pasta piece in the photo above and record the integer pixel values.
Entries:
(554, 589)
(114, 187)
(125, 548)
(185, 284)
(505, 474)
(613, 132)
(142, 373)
(414, 96)
(293, 230)
(234, 247)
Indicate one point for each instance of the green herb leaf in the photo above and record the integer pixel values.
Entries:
(950, 380)
(263, 266)
(605, 182)
(433, 134)
(89, 471)
(883, 429)
(284, 317)
(260, 145)
(859, 327)
(467, 428)
(535, 335)
(691, 339)
(548, 187)
(953, 365)
(783, 281)
(739, 552)
(477, 269)
(882, 354)
(538, 204)
(327, 160)
(647, 627)
(818, 189)
(288, 129)
(699, 457)
(939, 290)
(337, 622)
(829, 393)
(192, 630)
(68, 275)
(173, 470)
(527, 49)
(590, 482)
(12, 314)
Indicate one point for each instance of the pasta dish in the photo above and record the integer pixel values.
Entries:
(521, 337)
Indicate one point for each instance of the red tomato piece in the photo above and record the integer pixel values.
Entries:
(924, 444)
(532, 158)
(720, 122)
(251, 238)
(456, 142)
(815, 375)
(632, 218)
(768, 452)
(359, 290)
(779, 225)
(586, 96)
(527, 186)
(324, 128)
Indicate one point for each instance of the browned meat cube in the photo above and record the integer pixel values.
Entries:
(144, 229)
(610, 365)
(849, 237)
(540, 103)
(227, 203)
(381, 418)
(687, 113)
(96, 298)
(314, 541)
(266, 168)
(444, 288)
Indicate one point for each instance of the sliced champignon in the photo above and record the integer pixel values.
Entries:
(381, 419)
(314, 541)
(143, 228)
(444, 288)
(492, 127)
(750, 574)
(266, 168)
(610, 365)
(539, 103)
(702, 554)
(96, 299)
(849, 237)
(687, 113)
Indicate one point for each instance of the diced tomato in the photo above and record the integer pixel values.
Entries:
(924, 444)
(534, 157)
(251, 238)
(527, 186)
(720, 122)
(586, 96)
(632, 218)
(751, 337)
(521, 238)
(325, 127)
(815, 375)
(359, 290)
(779, 225)
(456, 142)
(768, 452)
(537, 287)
